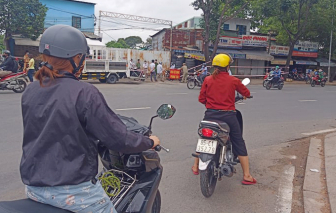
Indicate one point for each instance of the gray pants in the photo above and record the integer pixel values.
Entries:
(153, 74)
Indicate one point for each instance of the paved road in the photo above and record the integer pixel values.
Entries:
(271, 119)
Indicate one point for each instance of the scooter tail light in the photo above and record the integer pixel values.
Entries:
(209, 133)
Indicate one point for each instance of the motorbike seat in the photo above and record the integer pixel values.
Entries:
(28, 206)
(221, 125)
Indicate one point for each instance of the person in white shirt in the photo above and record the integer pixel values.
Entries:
(230, 73)
(152, 71)
(159, 71)
(172, 66)
(145, 68)
(131, 65)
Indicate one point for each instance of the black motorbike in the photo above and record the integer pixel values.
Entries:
(216, 158)
(271, 84)
(136, 177)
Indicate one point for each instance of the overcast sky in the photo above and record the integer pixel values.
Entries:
(174, 10)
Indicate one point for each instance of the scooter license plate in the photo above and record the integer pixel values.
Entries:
(206, 146)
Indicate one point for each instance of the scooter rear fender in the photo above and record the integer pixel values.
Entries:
(204, 161)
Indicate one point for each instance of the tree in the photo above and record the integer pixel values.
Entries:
(117, 44)
(2, 45)
(133, 40)
(289, 17)
(215, 13)
(149, 40)
(24, 17)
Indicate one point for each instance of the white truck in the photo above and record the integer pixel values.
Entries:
(108, 65)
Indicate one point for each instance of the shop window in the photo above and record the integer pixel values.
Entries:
(76, 22)
(241, 29)
(226, 27)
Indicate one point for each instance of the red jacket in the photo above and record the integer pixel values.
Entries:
(219, 93)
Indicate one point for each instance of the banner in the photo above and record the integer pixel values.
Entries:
(230, 42)
(195, 56)
(174, 74)
(255, 41)
(279, 50)
(306, 46)
(305, 54)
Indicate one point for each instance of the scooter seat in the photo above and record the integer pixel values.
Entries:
(222, 125)
(28, 206)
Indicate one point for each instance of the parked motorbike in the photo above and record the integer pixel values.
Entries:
(136, 177)
(278, 85)
(14, 81)
(193, 80)
(318, 81)
(216, 158)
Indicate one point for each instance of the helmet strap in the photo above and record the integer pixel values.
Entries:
(76, 68)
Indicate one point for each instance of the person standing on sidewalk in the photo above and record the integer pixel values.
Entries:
(31, 68)
(26, 61)
(152, 71)
(145, 68)
(159, 71)
(156, 64)
(184, 69)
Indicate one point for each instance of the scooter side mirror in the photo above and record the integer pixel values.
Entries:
(246, 81)
(166, 111)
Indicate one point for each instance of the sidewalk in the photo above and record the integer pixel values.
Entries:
(319, 188)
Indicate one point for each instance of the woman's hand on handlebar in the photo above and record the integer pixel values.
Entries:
(156, 140)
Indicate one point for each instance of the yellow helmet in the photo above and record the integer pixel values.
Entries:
(222, 60)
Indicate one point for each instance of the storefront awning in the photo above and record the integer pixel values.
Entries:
(280, 61)
(304, 62)
(234, 53)
(257, 55)
(325, 62)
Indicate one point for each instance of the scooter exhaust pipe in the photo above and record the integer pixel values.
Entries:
(226, 170)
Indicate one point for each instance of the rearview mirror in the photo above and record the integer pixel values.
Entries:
(246, 81)
(166, 111)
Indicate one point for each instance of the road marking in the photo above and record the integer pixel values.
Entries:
(128, 109)
(307, 100)
(177, 93)
(319, 132)
(253, 92)
(240, 103)
(285, 193)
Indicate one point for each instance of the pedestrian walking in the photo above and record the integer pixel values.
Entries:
(159, 71)
(152, 71)
(31, 68)
(145, 68)
(26, 61)
(184, 69)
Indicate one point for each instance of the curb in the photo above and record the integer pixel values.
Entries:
(312, 186)
(330, 168)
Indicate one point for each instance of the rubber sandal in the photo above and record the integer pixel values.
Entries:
(195, 173)
(245, 182)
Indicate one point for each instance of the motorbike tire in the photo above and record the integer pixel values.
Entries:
(156, 208)
(264, 83)
(313, 84)
(308, 81)
(208, 180)
(23, 85)
(323, 84)
(268, 85)
(280, 87)
(191, 84)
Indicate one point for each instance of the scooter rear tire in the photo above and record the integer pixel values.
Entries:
(23, 86)
(156, 208)
(313, 84)
(323, 84)
(191, 84)
(208, 180)
(269, 85)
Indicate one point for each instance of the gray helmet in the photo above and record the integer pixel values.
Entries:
(63, 41)
(7, 52)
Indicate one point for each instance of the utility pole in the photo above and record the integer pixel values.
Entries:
(331, 37)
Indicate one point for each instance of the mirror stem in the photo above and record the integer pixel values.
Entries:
(151, 121)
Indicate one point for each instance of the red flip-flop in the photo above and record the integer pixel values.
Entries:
(245, 182)
(195, 173)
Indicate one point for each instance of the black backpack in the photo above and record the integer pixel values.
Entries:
(15, 65)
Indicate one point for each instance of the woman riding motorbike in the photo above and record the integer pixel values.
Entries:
(64, 122)
(218, 95)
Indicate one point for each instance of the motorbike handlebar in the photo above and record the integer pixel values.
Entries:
(158, 148)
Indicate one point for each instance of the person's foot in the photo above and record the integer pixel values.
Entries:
(249, 180)
(195, 170)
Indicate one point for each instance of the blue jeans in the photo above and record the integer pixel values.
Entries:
(31, 74)
(82, 198)
(153, 74)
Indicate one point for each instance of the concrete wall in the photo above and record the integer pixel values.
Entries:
(61, 12)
